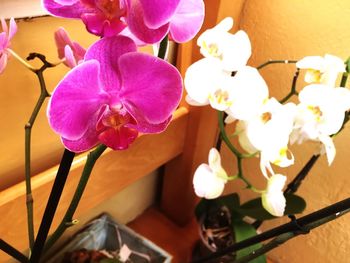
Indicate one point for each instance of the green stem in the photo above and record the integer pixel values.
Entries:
(67, 220)
(275, 62)
(163, 47)
(27, 152)
(225, 137)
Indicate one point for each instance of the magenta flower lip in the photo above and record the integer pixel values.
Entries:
(113, 95)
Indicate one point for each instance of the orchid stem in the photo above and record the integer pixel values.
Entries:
(239, 156)
(163, 46)
(269, 62)
(27, 152)
(68, 217)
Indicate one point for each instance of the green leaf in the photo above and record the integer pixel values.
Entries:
(254, 208)
(243, 231)
(231, 201)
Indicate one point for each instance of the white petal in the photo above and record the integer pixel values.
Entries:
(202, 78)
(248, 93)
(206, 183)
(329, 147)
(311, 62)
(273, 199)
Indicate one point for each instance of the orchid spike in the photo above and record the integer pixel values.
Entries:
(70, 51)
(209, 179)
(114, 95)
(5, 37)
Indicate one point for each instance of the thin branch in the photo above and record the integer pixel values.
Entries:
(269, 62)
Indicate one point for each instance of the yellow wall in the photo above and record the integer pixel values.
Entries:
(284, 29)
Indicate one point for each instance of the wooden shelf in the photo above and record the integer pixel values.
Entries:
(177, 241)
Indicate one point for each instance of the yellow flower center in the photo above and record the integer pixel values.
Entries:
(212, 49)
(220, 97)
(316, 111)
(282, 155)
(313, 76)
(266, 116)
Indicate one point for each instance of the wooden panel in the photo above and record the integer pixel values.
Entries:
(177, 241)
(114, 171)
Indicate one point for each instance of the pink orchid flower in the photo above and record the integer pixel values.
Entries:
(114, 95)
(148, 20)
(71, 51)
(5, 38)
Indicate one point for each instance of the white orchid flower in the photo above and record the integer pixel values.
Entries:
(232, 50)
(322, 70)
(272, 198)
(247, 94)
(207, 83)
(209, 180)
(268, 132)
(320, 114)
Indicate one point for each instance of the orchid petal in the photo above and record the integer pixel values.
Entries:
(4, 25)
(68, 54)
(273, 199)
(214, 162)
(73, 10)
(3, 62)
(137, 26)
(108, 51)
(76, 98)
(3, 41)
(149, 84)
(156, 13)
(329, 147)
(187, 20)
(13, 28)
(61, 40)
(203, 78)
(206, 183)
(87, 141)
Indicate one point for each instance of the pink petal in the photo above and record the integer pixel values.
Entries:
(4, 25)
(3, 41)
(156, 13)
(107, 51)
(187, 20)
(68, 54)
(61, 40)
(3, 61)
(79, 51)
(145, 127)
(138, 27)
(72, 10)
(152, 88)
(76, 100)
(87, 141)
(13, 28)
